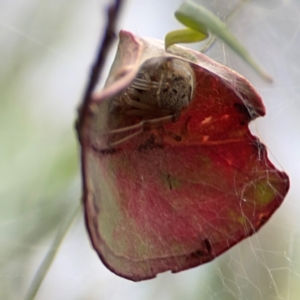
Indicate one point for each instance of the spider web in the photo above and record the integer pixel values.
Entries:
(265, 266)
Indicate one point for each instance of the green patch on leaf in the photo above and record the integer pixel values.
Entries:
(264, 192)
(261, 191)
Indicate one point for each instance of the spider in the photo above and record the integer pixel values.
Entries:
(161, 89)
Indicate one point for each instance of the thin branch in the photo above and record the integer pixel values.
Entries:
(105, 44)
(47, 261)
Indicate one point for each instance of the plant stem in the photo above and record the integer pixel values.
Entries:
(46, 263)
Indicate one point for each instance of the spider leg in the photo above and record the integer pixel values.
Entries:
(126, 138)
(144, 84)
(140, 127)
(145, 107)
(147, 84)
(144, 123)
(159, 88)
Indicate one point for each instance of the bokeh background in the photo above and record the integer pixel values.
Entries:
(46, 50)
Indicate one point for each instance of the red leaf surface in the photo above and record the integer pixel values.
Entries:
(180, 194)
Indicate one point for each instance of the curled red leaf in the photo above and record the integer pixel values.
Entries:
(172, 186)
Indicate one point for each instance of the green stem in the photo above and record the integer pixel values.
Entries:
(46, 263)
(227, 19)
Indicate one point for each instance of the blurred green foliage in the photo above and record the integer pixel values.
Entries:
(38, 161)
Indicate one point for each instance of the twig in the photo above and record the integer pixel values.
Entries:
(109, 35)
(47, 261)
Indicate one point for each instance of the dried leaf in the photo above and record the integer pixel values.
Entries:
(171, 184)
